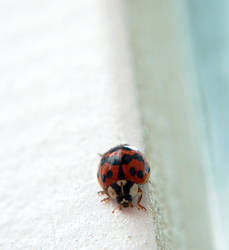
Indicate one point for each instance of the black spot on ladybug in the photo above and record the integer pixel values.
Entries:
(138, 157)
(109, 174)
(103, 178)
(126, 159)
(121, 175)
(132, 171)
(147, 168)
(140, 174)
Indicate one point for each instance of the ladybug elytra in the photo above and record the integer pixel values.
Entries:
(121, 170)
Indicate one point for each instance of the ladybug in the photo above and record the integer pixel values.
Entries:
(121, 170)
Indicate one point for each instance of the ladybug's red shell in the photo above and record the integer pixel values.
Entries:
(123, 163)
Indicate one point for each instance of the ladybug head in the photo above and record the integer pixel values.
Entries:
(123, 192)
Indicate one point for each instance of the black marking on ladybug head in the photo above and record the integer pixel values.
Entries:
(123, 192)
(125, 204)
(127, 186)
(116, 187)
(125, 197)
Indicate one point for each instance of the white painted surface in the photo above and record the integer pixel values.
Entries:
(66, 94)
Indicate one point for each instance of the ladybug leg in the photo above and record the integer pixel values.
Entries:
(105, 199)
(117, 208)
(131, 204)
(102, 192)
(139, 200)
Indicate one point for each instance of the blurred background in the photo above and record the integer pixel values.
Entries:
(180, 53)
(210, 36)
(208, 22)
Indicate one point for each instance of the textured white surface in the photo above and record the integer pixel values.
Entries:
(66, 95)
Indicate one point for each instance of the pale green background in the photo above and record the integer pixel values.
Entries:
(180, 55)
